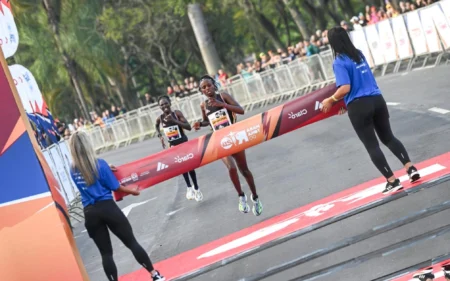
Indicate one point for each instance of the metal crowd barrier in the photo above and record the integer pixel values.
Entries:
(286, 80)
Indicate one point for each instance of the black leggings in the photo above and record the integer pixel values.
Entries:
(193, 177)
(106, 214)
(369, 115)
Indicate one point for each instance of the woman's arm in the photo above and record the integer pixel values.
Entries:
(157, 124)
(338, 95)
(182, 122)
(129, 190)
(229, 103)
(204, 122)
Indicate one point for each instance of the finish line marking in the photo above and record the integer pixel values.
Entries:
(284, 224)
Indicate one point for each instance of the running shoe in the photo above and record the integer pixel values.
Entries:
(425, 275)
(198, 195)
(243, 205)
(189, 193)
(257, 206)
(158, 277)
(413, 174)
(393, 186)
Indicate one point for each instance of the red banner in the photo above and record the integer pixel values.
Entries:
(195, 153)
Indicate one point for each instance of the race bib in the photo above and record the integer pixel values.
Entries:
(172, 133)
(219, 119)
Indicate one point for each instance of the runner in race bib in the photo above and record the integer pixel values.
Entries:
(219, 111)
(174, 124)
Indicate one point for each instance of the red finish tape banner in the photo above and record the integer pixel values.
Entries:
(195, 153)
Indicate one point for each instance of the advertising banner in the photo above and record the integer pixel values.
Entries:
(195, 153)
(387, 41)
(358, 38)
(404, 48)
(433, 42)
(416, 33)
(373, 40)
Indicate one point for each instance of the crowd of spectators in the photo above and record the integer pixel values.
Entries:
(375, 14)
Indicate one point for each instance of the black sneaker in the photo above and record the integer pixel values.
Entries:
(425, 275)
(446, 269)
(413, 174)
(158, 277)
(392, 186)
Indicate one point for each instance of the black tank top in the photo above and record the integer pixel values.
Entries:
(219, 117)
(174, 133)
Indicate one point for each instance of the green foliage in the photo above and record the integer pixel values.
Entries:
(150, 42)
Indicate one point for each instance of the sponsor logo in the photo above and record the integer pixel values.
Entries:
(134, 177)
(319, 105)
(240, 137)
(125, 180)
(181, 159)
(293, 115)
(144, 173)
(161, 166)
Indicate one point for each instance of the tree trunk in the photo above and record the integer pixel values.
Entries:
(267, 26)
(68, 61)
(295, 13)
(347, 8)
(317, 14)
(204, 39)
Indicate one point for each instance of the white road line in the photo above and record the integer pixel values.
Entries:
(312, 212)
(392, 103)
(174, 212)
(128, 209)
(406, 73)
(439, 110)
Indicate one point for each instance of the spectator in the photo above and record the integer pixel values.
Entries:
(114, 111)
(149, 99)
(311, 49)
(222, 77)
(169, 90)
(346, 26)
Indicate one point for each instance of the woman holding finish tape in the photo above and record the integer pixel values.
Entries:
(174, 124)
(366, 107)
(219, 111)
(96, 181)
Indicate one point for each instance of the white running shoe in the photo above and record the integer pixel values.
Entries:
(189, 193)
(198, 195)
(243, 205)
(257, 206)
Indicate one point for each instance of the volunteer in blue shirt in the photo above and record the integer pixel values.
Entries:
(96, 181)
(366, 107)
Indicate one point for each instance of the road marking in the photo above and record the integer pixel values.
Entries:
(249, 238)
(282, 225)
(392, 103)
(174, 212)
(439, 110)
(404, 74)
(128, 209)
(315, 211)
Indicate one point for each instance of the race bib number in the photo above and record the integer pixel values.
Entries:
(219, 119)
(172, 133)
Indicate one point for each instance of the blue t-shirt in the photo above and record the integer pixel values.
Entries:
(357, 75)
(99, 191)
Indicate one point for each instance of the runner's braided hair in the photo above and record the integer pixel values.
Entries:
(212, 80)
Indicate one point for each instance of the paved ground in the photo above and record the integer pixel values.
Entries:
(291, 171)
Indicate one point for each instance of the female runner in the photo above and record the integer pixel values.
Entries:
(95, 181)
(174, 124)
(220, 111)
(366, 107)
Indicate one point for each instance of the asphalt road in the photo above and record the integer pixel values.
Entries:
(291, 171)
